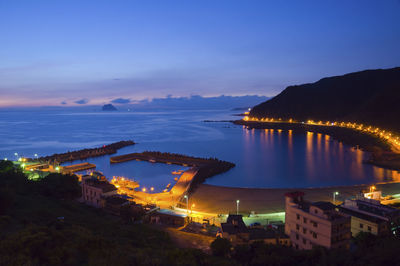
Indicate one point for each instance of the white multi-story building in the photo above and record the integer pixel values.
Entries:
(315, 224)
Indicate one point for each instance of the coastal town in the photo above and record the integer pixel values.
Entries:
(302, 219)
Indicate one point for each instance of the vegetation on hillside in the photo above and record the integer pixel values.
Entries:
(41, 224)
(367, 250)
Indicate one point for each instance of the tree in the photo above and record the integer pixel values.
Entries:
(221, 247)
(60, 186)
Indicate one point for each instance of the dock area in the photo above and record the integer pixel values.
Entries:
(77, 167)
(157, 157)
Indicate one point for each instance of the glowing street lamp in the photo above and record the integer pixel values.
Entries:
(36, 155)
(152, 189)
(372, 188)
(57, 168)
(144, 189)
(237, 206)
(187, 203)
(334, 196)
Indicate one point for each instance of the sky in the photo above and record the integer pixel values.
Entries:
(92, 52)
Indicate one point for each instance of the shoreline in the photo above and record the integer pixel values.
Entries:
(381, 152)
(222, 200)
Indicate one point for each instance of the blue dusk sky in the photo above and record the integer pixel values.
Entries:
(91, 52)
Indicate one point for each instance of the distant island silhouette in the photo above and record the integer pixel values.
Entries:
(109, 107)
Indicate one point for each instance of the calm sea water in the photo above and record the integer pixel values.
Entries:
(263, 158)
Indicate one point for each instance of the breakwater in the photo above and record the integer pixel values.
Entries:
(85, 153)
(207, 167)
(78, 167)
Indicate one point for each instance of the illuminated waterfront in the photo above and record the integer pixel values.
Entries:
(263, 158)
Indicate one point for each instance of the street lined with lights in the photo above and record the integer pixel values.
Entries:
(387, 136)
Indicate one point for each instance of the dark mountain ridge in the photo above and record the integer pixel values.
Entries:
(371, 97)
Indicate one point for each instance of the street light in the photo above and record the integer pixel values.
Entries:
(334, 196)
(187, 203)
(237, 207)
(152, 189)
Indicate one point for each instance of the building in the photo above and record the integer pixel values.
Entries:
(114, 204)
(315, 224)
(167, 217)
(236, 231)
(95, 191)
(369, 215)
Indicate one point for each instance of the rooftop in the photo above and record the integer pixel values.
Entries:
(324, 205)
(103, 185)
(116, 200)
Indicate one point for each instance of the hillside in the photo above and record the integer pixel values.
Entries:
(371, 97)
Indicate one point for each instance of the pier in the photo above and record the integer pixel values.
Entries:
(162, 157)
(84, 154)
(78, 167)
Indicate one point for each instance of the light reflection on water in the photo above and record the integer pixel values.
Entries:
(263, 158)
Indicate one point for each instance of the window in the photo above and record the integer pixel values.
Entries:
(315, 224)
(297, 237)
(304, 241)
(304, 231)
(314, 235)
(297, 227)
(305, 220)
(361, 225)
(369, 228)
(298, 216)
(316, 211)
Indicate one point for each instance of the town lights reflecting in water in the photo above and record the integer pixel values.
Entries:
(303, 160)
(264, 158)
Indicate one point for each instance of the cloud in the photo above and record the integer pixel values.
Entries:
(63, 102)
(82, 101)
(121, 101)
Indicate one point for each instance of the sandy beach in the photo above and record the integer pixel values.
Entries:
(222, 200)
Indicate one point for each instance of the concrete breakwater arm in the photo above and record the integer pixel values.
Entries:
(85, 153)
(202, 168)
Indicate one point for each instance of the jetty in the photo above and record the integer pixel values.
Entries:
(164, 157)
(84, 154)
(77, 167)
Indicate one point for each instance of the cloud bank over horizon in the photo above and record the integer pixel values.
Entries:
(63, 52)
